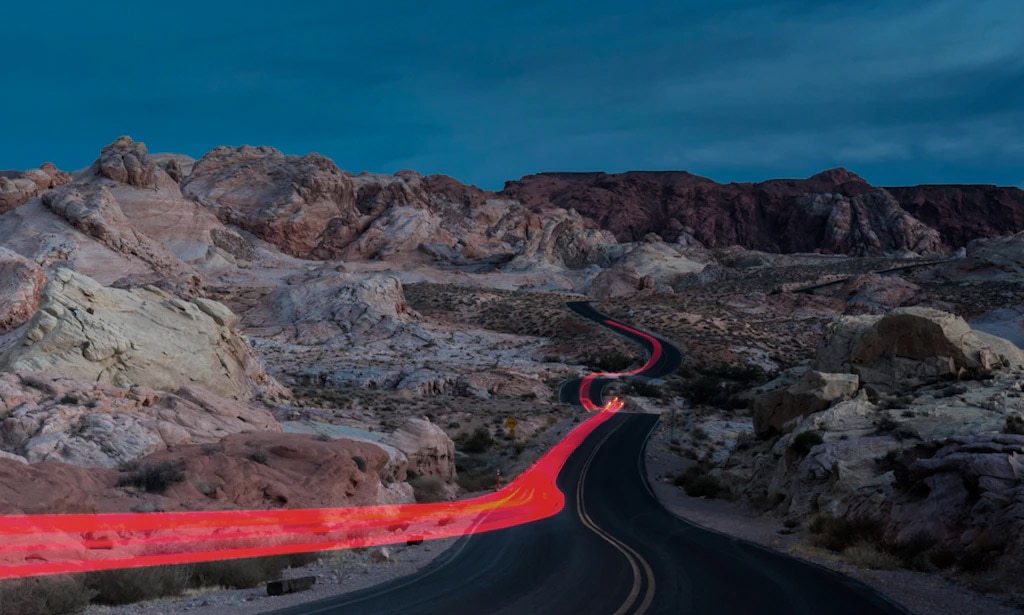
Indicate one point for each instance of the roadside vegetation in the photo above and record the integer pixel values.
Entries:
(69, 594)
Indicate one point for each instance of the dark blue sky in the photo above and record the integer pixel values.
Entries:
(900, 91)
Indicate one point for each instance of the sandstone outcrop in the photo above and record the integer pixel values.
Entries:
(255, 470)
(21, 288)
(908, 347)
(834, 211)
(96, 213)
(46, 417)
(138, 337)
(428, 448)
(317, 310)
(17, 188)
(966, 212)
(779, 410)
(48, 488)
(293, 202)
(618, 282)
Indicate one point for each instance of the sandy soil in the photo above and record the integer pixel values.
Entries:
(921, 593)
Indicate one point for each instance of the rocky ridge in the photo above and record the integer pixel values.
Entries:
(835, 211)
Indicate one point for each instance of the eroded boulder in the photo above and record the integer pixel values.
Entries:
(781, 409)
(908, 347)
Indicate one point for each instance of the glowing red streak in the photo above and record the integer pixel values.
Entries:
(585, 385)
(53, 544)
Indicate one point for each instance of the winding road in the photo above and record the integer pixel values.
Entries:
(612, 549)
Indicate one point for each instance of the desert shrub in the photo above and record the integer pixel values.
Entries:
(58, 595)
(1014, 425)
(869, 556)
(706, 391)
(886, 425)
(839, 533)
(645, 389)
(479, 441)
(699, 434)
(610, 361)
(258, 456)
(360, 463)
(247, 572)
(427, 489)
(129, 585)
(805, 441)
(697, 483)
(322, 437)
(153, 478)
(475, 474)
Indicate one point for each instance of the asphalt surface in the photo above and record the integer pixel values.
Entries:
(613, 549)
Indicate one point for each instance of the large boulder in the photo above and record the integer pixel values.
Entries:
(21, 289)
(908, 347)
(616, 282)
(429, 449)
(137, 337)
(779, 410)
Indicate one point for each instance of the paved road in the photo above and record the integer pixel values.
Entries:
(613, 549)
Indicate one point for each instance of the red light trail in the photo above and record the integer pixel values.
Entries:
(32, 545)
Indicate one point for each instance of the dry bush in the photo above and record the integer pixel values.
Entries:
(57, 595)
(867, 555)
(129, 585)
(248, 572)
(697, 483)
(427, 489)
(153, 478)
(840, 533)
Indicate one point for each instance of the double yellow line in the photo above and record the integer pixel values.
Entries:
(636, 561)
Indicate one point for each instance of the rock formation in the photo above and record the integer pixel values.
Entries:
(290, 201)
(45, 417)
(429, 450)
(17, 188)
(963, 213)
(908, 347)
(138, 337)
(779, 410)
(343, 306)
(21, 288)
(835, 211)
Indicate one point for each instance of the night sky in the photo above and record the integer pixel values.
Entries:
(900, 91)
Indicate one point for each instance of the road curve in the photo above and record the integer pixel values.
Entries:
(612, 549)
